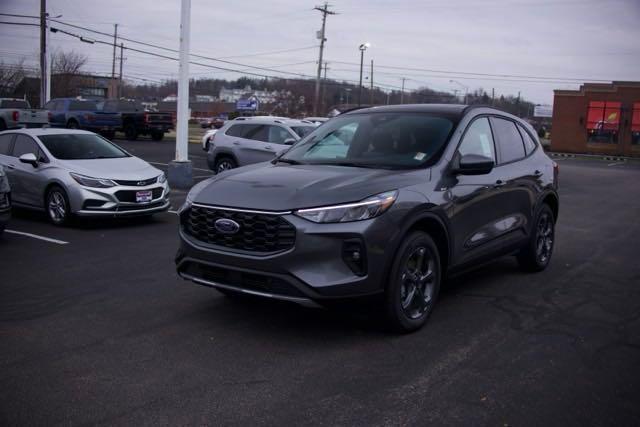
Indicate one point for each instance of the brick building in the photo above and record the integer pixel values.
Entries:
(598, 119)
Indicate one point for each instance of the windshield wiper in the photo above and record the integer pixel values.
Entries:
(288, 161)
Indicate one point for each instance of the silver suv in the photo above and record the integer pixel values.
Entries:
(248, 140)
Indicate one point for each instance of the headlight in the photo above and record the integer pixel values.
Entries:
(162, 178)
(366, 209)
(88, 181)
(191, 195)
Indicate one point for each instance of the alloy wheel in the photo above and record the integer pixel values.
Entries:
(544, 239)
(224, 166)
(57, 207)
(418, 283)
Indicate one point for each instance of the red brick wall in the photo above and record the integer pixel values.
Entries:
(569, 132)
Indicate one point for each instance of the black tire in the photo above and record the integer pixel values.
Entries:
(224, 163)
(157, 135)
(411, 291)
(3, 125)
(72, 124)
(536, 255)
(57, 206)
(130, 131)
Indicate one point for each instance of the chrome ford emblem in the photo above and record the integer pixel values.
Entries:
(226, 226)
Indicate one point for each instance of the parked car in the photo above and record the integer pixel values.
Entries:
(5, 200)
(68, 172)
(74, 113)
(17, 113)
(244, 141)
(206, 138)
(318, 120)
(212, 123)
(404, 197)
(136, 121)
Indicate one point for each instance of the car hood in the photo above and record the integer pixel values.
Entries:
(126, 168)
(282, 187)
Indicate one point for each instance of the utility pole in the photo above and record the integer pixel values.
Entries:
(371, 90)
(180, 171)
(388, 96)
(493, 96)
(43, 52)
(324, 85)
(113, 63)
(120, 79)
(325, 11)
(402, 93)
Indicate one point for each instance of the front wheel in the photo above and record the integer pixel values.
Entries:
(57, 206)
(130, 132)
(224, 164)
(414, 283)
(535, 256)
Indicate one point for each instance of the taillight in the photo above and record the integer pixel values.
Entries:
(146, 117)
(15, 115)
(556, 172)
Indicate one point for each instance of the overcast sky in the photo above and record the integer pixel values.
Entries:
(575, 39)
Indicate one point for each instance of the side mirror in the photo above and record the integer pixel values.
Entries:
(290, 141)
(474, 164)
(29, 158)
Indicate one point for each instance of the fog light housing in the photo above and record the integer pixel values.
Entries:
(355, 256)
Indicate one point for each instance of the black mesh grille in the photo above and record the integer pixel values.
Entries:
(130, 195)
(251, 281)
(138, 183)
(258, 232)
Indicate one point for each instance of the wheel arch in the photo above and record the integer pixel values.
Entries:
(51, 184)
(550, 198)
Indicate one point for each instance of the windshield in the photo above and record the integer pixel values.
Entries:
(384, 140)
(15, 103)
(81, 147)
(303, 131)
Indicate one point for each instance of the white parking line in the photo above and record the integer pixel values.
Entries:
(615, 164)
(35, 236)
(195, 169)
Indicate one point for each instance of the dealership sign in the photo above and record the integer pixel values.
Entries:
(250, 104)
(543, 111)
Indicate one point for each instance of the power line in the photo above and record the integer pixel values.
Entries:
(19, 23)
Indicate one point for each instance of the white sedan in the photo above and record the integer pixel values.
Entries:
(206, 139)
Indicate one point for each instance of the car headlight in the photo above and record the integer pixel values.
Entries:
(191, 195)
(162, 178)
(368, 208)
(88, 181)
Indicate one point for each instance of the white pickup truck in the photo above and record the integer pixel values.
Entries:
(17, 113)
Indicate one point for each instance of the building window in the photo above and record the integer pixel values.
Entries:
(603, 121)
(635, 124)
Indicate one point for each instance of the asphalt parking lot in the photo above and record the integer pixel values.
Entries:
(96, 328)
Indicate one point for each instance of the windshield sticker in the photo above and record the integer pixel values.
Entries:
(419, 156)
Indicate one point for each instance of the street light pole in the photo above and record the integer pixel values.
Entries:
(362, 48)
(180, 172)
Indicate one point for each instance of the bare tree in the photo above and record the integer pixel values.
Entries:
(70, 63)
(66, 70)
(10, 76)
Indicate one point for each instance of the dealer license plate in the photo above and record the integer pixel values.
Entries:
(144, 196)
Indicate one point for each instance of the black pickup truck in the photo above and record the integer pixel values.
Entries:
(136, 121)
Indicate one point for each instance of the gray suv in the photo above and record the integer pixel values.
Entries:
(248, 140)
(383, 201)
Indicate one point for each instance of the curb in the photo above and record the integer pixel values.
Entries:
(592, 156)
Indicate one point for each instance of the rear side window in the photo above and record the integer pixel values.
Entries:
(25, 145)
(5, 143)
(478, 139)
(529, 143)
(509, 140)
(15, 103)
(278, 135)
(82, 106)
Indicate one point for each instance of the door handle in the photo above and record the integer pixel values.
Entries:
(11, 167)
(236, 143)
(500, 183)
(268, 147)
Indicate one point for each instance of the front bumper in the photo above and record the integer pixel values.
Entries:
(312, 271)
(105, 202)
